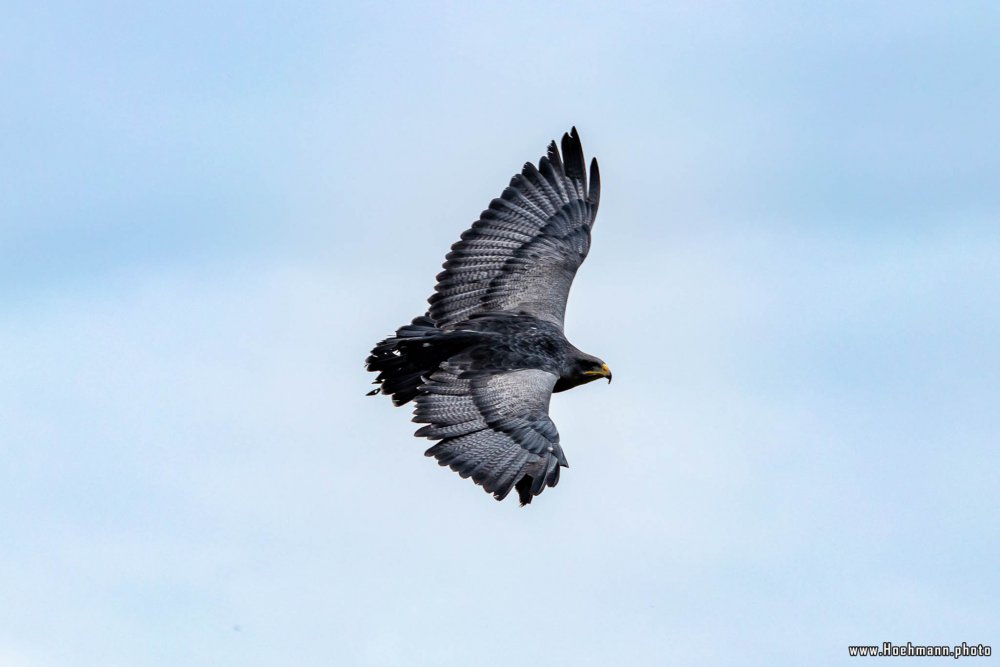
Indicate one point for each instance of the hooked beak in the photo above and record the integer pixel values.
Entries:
(605, 372)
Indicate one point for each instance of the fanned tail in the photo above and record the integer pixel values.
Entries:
(403, 361)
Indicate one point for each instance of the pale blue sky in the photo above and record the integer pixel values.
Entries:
(208, 213)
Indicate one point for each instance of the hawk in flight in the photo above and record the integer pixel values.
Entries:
(482, 364)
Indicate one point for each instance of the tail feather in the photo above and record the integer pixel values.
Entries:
(404, 360)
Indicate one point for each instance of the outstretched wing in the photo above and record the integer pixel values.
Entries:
(493, 427)
(524, 250)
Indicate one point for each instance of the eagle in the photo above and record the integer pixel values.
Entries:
(482, 364)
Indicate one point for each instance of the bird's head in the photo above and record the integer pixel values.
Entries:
(581, 369)
(595, 369)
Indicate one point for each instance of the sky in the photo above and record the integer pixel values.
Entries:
(209, 213)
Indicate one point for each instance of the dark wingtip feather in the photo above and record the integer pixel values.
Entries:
(572, 151)
(594, 196)
(523, 488)
(553, 154)
(529, 172)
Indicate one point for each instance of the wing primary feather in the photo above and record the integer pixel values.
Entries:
(523, 487)
(538, 478)
(505, 482)
(594, 195)
(555, 158)
(572, 151)
(553, 172)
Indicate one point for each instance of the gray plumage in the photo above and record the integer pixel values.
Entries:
(482, 364)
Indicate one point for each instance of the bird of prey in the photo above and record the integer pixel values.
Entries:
(482, 364)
